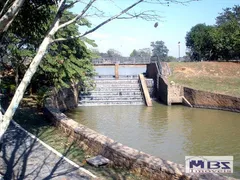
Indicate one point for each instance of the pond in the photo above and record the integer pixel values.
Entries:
(168, 132)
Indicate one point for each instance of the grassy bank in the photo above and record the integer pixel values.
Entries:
(33, 120)
(217, 77)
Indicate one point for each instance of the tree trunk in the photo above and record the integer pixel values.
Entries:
(4, 122)
(17, 76)
(30, 90)
(9, 16)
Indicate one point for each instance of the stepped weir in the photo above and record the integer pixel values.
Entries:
(117, 84)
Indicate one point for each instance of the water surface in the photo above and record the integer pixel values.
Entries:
(169, 132)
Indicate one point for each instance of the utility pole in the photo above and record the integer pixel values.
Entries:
(179, 50)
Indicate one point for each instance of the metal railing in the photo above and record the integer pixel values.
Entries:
(122, 60)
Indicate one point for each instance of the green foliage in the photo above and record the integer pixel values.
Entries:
(141, 53)
(7, 86)
(68, 60)
(200, 41)
(219, 42)
(171, 59)
(134, 53)
(113, 53)
(64, 61)
(228, 14)
(41, 95)
(160, 50)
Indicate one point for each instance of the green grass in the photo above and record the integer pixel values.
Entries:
(223, 78)
(33, 120)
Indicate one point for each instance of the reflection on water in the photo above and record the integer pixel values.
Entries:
(169, 132)
(122, 71)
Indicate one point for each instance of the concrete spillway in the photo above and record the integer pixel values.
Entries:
(113, 92)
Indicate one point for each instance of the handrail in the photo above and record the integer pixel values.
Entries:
(146, 94)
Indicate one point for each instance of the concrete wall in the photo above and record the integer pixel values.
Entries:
(151, 71)
(203, 99)
(175, 93)
(163, 91)
(150, 86)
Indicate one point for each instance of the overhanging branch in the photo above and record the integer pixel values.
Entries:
(65, 39)
(111, 18)
(78, 16)
(145, 15)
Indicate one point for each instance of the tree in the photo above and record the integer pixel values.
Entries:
(171, 59)
(200, 42)
(141, 53)
(10, 10)
(219, 42)
(160, 50)
(227, 33)
(8, 14)
(19, 43)
(113, 53)
(228, 14)
(50, 38)
(134, 53)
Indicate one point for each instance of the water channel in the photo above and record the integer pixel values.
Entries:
(169, 132)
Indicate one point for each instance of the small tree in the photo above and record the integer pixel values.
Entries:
(160, 50)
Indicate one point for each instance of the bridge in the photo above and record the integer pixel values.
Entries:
(120, 67)
(121, 60)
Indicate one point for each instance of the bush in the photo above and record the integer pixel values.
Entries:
(41, 95)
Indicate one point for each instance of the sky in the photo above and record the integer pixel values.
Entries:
(176, 20)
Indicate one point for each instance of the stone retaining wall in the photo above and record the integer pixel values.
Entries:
(97, 144)
(203, 99)
(121, 155)
(139, 162)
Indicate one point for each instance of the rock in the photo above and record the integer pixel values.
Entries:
(98, 161)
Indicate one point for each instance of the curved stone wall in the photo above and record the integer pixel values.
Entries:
(97, 144)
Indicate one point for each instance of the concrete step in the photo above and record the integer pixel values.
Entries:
(115, 89)
(109, 102)
(119, 81)
(116, 98)
(127, 77)
(115, 93)
(131, 85)
(110, 95)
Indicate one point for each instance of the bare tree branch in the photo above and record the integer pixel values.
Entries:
(60, 5)
(167, 2)
(65, 39)
(71, 4)
(78, 16)
(112, 18)
(145, 15)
